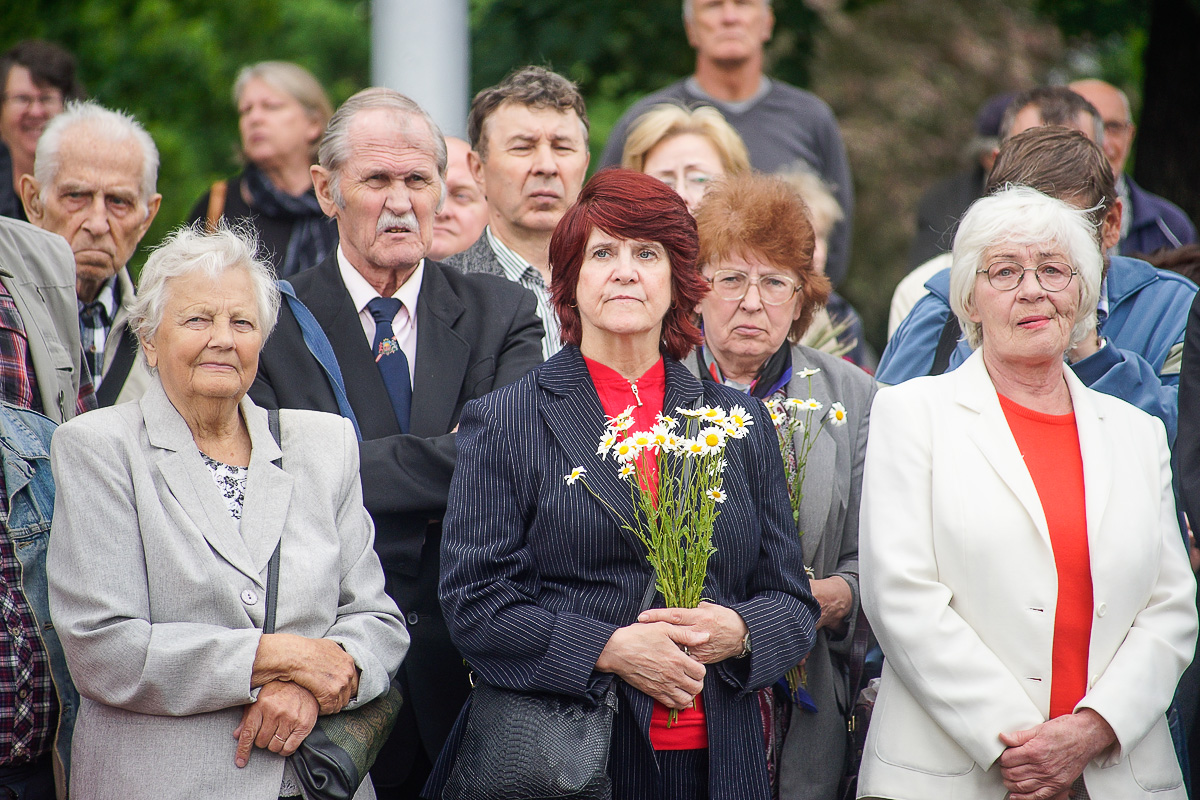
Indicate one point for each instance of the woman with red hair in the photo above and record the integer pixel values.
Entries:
(542, 587)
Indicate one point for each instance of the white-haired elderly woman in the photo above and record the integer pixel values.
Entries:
(1021, 560)
(167, 514)
(282, 112)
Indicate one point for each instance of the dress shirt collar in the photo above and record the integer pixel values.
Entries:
(515, 267)
(361, 292)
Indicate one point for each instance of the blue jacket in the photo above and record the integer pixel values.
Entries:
(25, 459)
(1147, 316)
(1155, 223)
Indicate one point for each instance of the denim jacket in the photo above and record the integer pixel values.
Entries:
(25, 456)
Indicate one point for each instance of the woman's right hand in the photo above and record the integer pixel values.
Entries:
(649, 657)
(279, 720)
(319, 665)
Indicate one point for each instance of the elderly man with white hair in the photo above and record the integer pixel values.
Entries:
(94, 184)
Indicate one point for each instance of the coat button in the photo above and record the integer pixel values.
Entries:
(1101, 609)
(413, 619)
(249, 597)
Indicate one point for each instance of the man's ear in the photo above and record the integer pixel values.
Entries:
(1110, 229)
(475, 166)
(31, 198)
(151, 213)
(322, 186)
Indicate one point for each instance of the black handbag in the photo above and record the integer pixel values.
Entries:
(334, 758)
(535, 745)
(529, 746)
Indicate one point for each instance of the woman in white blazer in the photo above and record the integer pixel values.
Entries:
(1033, 599)
(167, 513)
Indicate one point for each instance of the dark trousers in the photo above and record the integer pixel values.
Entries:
(29, 782)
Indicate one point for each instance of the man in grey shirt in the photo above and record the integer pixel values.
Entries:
(780, 124)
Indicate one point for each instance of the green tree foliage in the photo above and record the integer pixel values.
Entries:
(172, 64)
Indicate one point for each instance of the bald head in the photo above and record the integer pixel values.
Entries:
(1113, 106)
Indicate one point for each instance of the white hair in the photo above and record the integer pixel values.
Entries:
(1018, 215)
(688, 13)
(189, 250)
(116, 126)
(334, 151)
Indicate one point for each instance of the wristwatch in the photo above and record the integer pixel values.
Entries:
(745, 646)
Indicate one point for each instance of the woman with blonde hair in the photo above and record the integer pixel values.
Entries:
(687, 149)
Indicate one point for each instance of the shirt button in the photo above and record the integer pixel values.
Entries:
(1101, 609)
(413, 619)
(249, 597)
(22, 693)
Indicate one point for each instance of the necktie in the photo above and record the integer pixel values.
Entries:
(393, 364)
(93, 322)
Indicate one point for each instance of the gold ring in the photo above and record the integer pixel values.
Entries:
(280, 738)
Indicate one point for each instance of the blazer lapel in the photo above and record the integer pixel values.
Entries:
(268, 490)
(189, 480)
(330, 303)
(990, 433)
(1096, 451)
(577, 421)
(442, 356)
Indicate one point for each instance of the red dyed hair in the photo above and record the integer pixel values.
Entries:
(630, 205)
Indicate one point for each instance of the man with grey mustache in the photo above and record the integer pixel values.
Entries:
(414, 341)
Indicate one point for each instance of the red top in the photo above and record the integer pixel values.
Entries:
(690, 730)
(1050, 446)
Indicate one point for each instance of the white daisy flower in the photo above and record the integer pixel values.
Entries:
(625, 451)
(807, 372)
(607, 443)
(811, 404)
(627, 471)
(575, 475)
(716, 495)
(642, 439)
(837, 415)
(712, 414)
(712, 439)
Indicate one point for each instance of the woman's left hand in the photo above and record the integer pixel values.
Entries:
(725, 628)
(279, 720)
(1043, 761)
(835, 598)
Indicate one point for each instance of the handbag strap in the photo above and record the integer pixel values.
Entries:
(947, 342)
(273, 564)
(858, 655)
(318, 344)
(216, 205)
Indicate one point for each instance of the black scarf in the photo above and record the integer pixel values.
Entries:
(314, 235)
(775, 374)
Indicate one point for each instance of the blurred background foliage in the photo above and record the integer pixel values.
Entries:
(905, 77)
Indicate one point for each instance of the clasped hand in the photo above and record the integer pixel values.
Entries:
(319, 665)
(663, 654)
(1042, 762)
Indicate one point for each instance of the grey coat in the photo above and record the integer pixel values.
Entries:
(159, 600)
(479, 257)
(813, 752)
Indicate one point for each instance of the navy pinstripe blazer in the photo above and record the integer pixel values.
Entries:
(536, 575)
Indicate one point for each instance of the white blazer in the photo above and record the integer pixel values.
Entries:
(159, 599)
(959, 582)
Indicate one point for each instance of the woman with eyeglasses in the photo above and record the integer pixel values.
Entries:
(756, 252)
(1022, 565)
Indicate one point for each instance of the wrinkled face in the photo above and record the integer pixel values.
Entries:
(389, 188)
(94, 202)
(688, 163)
(275, 128)
(464, 215)
(26, 110)
(536, 162)
(208, 343)
(1030, 117)
(748, 328)
(624, 288)
(729, 31)
(1118, 128)
(1027, 325)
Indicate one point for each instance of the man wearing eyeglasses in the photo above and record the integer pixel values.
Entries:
(1150, 222)
(37, 79)
(1136, 350)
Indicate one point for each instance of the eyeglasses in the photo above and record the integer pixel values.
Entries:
(732, 284)
(1004, 276)
(1115, 127)
(51, 101)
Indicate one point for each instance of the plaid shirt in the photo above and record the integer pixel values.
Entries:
(18, 383)
(95, 322)
(28, 706)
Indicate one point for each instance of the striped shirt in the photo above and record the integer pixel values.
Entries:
(520, 271)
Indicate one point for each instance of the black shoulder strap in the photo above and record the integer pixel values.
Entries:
(114, 379)
(273, 564)
(951, 333)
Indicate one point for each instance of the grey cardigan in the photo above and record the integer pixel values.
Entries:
(159, 599)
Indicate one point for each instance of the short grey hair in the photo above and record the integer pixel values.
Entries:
(1018, 215)
(191, 249)
(98, 121)
(334, 151)
(688, 13)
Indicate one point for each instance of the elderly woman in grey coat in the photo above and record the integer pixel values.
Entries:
(167, 515)
(756, 251)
